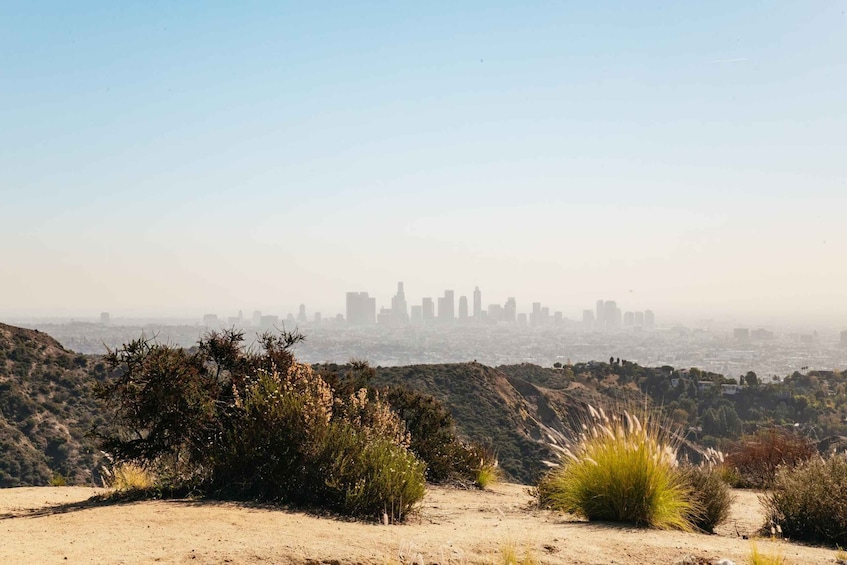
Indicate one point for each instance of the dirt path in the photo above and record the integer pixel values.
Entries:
(44, 525)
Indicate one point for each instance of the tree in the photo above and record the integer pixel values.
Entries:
(751, 379)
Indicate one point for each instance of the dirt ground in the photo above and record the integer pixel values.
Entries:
(54, 525)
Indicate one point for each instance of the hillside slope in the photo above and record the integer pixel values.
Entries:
(46, 407)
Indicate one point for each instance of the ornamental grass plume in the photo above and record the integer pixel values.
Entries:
(621, 467)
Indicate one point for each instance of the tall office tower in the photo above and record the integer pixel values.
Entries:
(104, 318)
(601, 315)
(610, 312)
(588, 319)
(510, 310)
(628, 319)
(477, 304)
(649, 319)
(399, 311)
(446, 307)
(463, 308)
(361, 309)
(417, 314)
(257, 319)
(301, 314)
(317, 317)
(544, 317)
(427, 309)
(535, 315)
(639, 319)
(495, 313)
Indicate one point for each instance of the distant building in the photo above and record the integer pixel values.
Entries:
(495, 313)
(361, 309)
(317, 317)
(210, 320)
(301, 314)
(761, 335)
(463, 308)
(510, 310)
(639, 319)
(588, 319)
(105, 318)
(741, 334)
(649, 319)
(628, 319)
(477, 304)
(446, 307)
(417, 314)
(600, 311)
(257, 319)
(428, 309)
(399, 309)
(610, 315)
(268, 321)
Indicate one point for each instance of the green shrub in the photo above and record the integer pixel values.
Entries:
(711, 495)
(222, 421)
(755, 458)
(809, 502)
(623, 469)
(431, 430)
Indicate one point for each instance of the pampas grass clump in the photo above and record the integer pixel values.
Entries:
(621, 468)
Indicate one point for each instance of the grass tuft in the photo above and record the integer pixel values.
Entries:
(126, 477)
(759, 558)
(509, 555)
(622, 468)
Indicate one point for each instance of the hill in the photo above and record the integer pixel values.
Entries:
(46, 407)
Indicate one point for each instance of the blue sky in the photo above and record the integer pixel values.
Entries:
(176, 158)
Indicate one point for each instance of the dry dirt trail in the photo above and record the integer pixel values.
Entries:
(43, 525)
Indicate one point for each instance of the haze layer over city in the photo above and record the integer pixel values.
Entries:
(169, 161)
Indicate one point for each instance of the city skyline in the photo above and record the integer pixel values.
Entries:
(176, 159)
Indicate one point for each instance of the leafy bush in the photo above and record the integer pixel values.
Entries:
(431, 430)
(230, 422)
(809, 502)
(711, 495)
(756, 458)
(621, 468)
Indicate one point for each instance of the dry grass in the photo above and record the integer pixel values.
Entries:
(126, 477)
(759, 558)
(622, 468)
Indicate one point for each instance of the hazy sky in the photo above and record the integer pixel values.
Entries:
(176, 158)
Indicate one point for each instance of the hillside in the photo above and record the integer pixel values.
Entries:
(46, 407)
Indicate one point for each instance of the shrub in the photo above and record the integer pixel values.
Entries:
(621, 468)
(756, 458)
(228, 422)
(809, 502)
(298, 443)
(710, 493)
(431, 430)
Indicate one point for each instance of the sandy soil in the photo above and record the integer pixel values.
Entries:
(54, 525)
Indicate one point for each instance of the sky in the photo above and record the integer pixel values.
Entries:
(180, 158)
